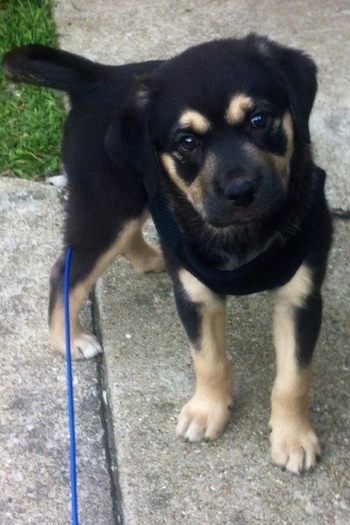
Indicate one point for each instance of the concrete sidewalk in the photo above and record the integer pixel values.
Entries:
(34, 469)
(131, 468)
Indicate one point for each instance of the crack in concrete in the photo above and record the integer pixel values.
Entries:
(107, 420)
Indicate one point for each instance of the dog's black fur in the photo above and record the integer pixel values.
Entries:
(222, 130)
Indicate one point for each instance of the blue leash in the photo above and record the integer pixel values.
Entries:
(70, 397)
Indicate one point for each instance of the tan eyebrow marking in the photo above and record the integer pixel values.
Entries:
(237, 109)
(194, 120)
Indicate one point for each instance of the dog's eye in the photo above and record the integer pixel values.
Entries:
(259, 120)
(187, 143)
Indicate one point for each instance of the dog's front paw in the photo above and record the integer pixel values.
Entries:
(203, 418)
(294, 448)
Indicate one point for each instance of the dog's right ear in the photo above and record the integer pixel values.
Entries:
(128, 139)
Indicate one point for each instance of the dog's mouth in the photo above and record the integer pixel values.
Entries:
(239, 217)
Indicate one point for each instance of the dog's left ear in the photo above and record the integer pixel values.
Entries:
(299, 74)
(128, 139)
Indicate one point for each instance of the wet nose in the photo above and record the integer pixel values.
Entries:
(241, 191)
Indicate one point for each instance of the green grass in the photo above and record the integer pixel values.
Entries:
(30, 117)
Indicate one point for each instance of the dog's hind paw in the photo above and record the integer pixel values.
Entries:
(144, 257)
(155, 260)
(85, 346)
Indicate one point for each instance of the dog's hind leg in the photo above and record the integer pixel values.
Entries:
(88, 263)
(144, 257)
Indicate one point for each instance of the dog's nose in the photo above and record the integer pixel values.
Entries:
(241, 191)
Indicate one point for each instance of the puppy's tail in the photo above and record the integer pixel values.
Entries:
(45, 66)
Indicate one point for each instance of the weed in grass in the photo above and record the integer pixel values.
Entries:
(30, 118)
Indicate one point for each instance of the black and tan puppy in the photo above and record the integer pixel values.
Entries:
(215, 142)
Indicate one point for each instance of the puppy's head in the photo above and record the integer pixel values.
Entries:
(220, 124)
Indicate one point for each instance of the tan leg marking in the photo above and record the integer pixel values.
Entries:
(294, 444)
(207, 413)
(144, 257)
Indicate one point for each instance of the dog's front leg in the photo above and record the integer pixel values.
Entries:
(203, 314)
(297, 319)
